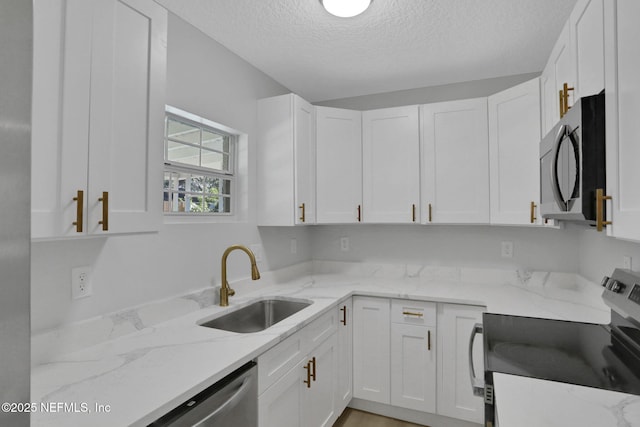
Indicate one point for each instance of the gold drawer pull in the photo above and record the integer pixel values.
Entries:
(600, 198)
(79, 213)
(302, 216)
(105, 210)
(413, 213)
(412, 313)
(429, 340)
(533, 212)
(429, 212)
(313, 370)
(359, 213)
(344, 315)
(308, 380)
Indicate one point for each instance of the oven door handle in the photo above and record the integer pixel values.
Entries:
(477, 384)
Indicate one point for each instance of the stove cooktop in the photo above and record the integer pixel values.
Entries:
(570, 352)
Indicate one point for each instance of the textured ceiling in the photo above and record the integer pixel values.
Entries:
(394, 45)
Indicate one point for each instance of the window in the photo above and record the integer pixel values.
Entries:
(199, 163)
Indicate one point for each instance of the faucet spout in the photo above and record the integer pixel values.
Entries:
(225, 289)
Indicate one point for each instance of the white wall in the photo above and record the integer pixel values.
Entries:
(456, 245)
(206, 79)
(600, 254)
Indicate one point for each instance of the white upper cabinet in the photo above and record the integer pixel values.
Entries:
(455, 162)
(623, 110)
(390, 164)
(560, 69)
(338, 165)
(514, 141)
(286, 161)
(97, 164)
(587, 37)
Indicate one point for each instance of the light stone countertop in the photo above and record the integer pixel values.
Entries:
(144, 374)
(528, 402)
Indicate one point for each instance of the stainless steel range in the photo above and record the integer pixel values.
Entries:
(601, 356)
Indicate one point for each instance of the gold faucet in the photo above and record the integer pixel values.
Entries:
(225, 289)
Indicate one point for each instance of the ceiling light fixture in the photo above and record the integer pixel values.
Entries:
(345, 8)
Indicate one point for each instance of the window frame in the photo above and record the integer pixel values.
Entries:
(178, 167)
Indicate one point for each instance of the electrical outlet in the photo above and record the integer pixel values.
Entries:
(294, 246)
(626, 262)
(81, 282)
(507, 249)
(344, 244)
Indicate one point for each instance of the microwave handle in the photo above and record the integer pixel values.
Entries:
(555, 184)
(477, 384)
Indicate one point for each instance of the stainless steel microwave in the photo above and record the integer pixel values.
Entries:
(572, 163)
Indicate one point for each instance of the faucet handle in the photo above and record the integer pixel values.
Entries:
(231, 292)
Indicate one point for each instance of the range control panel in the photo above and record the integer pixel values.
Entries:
(622, 292)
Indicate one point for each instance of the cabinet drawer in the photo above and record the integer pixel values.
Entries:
(413, 312)
(277, 361)
(320, 329)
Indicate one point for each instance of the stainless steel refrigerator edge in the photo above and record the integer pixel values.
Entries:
(16, 35)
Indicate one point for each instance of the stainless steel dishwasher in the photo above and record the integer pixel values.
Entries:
(232, 401)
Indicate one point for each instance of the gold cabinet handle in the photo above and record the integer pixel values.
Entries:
(79, 199)
(359, 213)
(413, 212)
(301, 207)
(344, 315)
(566, 89)
(412, 313)
(561, 102)
(429, 212)
(600, 198)
(308, 380)
(533, 212)
(313, 370)
(429, 340)
(105, 210)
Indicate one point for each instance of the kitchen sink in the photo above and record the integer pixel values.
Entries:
(257, 316)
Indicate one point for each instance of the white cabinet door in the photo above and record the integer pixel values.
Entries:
(305, 165)
(455, 163)
(560, 69)
(319, 400)
(455, 395)
(338, 165)
(60, 115)
(514, 141)
(390, 165)
(587, 36)
(623, 110)
(549, 101)
(127, 115)
(345, 355)
(371, 355)
(286, 161)
(413, 367)
(111, 118)
(281, 405)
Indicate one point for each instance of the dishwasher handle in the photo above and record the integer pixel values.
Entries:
(477, 384)
(228, 404)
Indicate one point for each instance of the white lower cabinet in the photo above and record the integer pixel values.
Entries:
(297, 379)
(371, 355)
(455, 395)
(345, 355)
(413, 355)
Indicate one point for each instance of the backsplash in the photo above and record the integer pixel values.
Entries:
(78, 335)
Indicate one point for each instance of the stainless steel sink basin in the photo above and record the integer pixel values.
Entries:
(256, 317)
